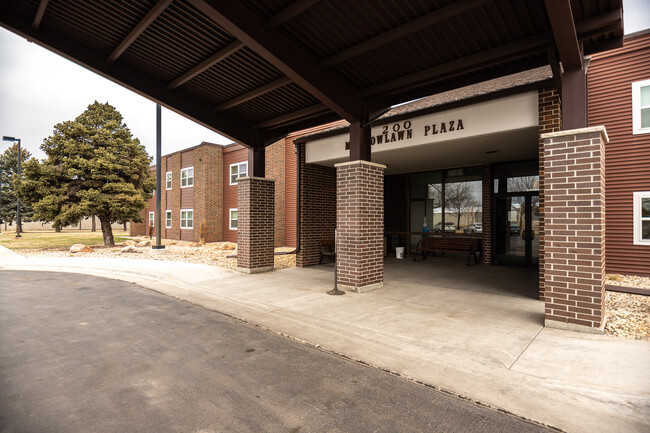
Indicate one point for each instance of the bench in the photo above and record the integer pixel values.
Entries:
(469, 245)
(327, 249)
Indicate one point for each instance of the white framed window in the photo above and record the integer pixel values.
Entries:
(641, 107)
(233, 219)
(168, 180)
(168, 219)
(152, 216)
(238, 170)
(187, 177)
(642, 218)
(187, 218)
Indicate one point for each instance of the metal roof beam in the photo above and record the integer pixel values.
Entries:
(428, 20)
(299, 114)
(289, 12)
(157, 9)
(253, 94)
(292, 60)
(206, 64)
(564, 31)
(151, 87)
(464, 64)
(39, 14)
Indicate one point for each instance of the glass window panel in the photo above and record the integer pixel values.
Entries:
(645, 207)
(645, 230)
(645, 118)
(420, 183)
(463, 204)
(523, 183)
(645, 96)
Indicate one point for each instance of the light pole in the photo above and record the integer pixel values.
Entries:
(18, 225)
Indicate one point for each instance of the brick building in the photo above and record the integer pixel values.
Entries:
(200, 188)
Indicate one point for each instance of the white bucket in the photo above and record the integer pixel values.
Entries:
(399, 252)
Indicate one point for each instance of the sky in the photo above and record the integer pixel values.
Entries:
(39, 89)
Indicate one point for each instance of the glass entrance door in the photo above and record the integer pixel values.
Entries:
(517, 229)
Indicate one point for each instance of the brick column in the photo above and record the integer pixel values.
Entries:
(486, 214)
(360, 225)
(574, 201)
(255, 224)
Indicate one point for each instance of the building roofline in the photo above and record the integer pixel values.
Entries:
(536, 85)
(636, 34)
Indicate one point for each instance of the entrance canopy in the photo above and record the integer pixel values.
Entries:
(255, 70)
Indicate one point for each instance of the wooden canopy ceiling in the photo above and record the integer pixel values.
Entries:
(255, 70)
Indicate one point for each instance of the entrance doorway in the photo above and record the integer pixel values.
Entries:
(517, 229)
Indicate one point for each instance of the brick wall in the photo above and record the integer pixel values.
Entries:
(486, 214)
(574, 169)
(255, 224)
(360, 225)
(208, 190)
(549, 121)
(318, 209)
(275, 169)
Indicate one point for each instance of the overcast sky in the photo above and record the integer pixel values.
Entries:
(39, 89)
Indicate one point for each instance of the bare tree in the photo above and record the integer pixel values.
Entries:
(459, 199)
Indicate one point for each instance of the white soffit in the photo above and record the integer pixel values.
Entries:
(451, 133)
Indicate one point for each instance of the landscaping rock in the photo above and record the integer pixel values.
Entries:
(130, 243)
(145, 243)
(129, 249)
(228, 246)
(80, 248)
(195, 244)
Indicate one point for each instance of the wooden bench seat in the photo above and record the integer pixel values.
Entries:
(327, 249)
(466, 245)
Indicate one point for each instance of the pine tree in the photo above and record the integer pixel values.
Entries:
(8, 170)
(93, 166)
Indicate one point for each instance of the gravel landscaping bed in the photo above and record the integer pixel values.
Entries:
(628, 315)
(215, 253)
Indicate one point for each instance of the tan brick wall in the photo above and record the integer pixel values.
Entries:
(255, 222)
(275, 169)
(317, 209)
(574, 268)
(360, 225)
(549, 121)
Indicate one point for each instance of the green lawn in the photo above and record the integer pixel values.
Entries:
(40, 240)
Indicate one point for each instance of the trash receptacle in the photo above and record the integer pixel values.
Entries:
(399, 252)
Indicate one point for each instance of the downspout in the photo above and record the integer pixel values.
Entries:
(298, 200)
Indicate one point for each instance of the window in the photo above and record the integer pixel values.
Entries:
(151, 218)
(233, 219)
(642, 218)
(187, 177)
(187, 218)
(168, 180)
(168, 219)
(641, 107)
(238, 170)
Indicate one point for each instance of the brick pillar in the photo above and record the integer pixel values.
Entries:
(360, 225)
(574, 201)
(255, 224)
(486, 214)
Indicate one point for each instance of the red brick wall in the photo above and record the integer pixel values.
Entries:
(275, 169)
(208, 190)
(574, 168)
(360, 225)
(549, 121)
(231, 155)
(256, 197)
(318, 209)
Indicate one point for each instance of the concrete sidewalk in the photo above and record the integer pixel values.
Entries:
(480, 341)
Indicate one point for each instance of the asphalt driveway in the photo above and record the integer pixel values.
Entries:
(87, 354)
